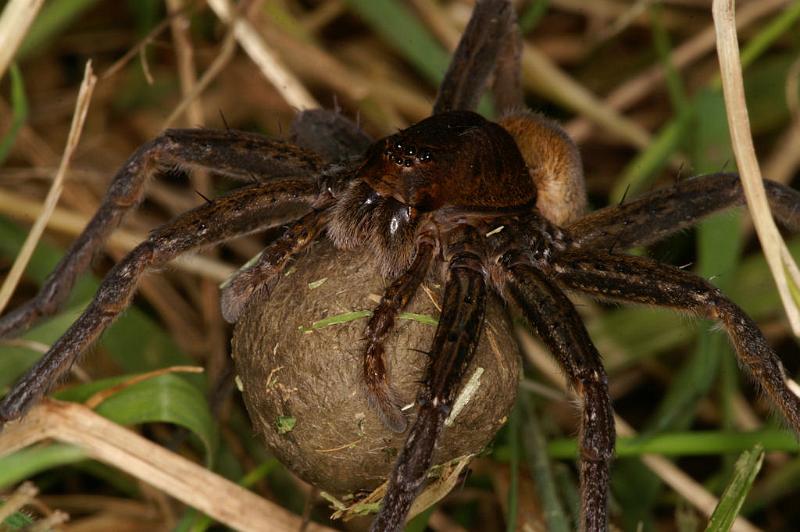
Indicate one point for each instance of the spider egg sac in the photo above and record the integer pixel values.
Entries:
(299, 363)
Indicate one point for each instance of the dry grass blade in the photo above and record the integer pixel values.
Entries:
(50, 522)
(188, 482)
(78, 119)
(21, 497)
(72, 223)
(778, 257)
(287, 85)
(223, 58)
(184, 55)
(14, 23)
(541, 74)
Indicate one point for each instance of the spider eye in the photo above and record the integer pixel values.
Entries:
(425, 155)
(410, 151)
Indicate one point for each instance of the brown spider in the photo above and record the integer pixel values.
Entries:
(428, 196)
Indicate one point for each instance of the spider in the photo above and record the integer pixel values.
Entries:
(428, 197)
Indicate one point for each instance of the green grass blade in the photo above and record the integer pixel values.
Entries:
(167, 398)
(747, 467)
(513, 487)
(697, 443)
(779, 25)
(393, 21)
(19, 111)
(16, 521)
(531, 16)
(639, 173)
(541, 468)
(25, 463)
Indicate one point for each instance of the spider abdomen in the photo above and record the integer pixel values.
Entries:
(554, 164)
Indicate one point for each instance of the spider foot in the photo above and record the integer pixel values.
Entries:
(385, 401)
(236, 292)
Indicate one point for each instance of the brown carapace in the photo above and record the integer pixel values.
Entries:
(431, 196)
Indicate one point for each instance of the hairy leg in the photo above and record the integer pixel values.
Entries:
(329, 134)
(507, 84)
(239, 155)
(381, 394)
(241, 212)
(666, 211)
(486, 37)
(454, 344)
(272, 261)
(551, 314)
(642, 280)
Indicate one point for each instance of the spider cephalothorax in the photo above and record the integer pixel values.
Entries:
(423, 180)
(498, 208)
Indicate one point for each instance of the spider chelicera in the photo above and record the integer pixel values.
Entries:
(428, 196)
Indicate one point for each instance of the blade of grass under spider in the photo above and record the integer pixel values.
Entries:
(513, 487)
(703, 443)
(747, 467)
(540, 467)
(19, 112)
(718, 251)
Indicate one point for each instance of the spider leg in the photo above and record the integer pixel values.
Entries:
(666, 211)
(454, 344)
(488, 35)
(507, 85)
(330, 134)
(551, 314)
(642, 280)
(239, 155)
(262, 275)
(379, 390)
(243, 211)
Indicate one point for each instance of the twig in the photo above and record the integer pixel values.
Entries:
(78, 119)
(778, 257)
